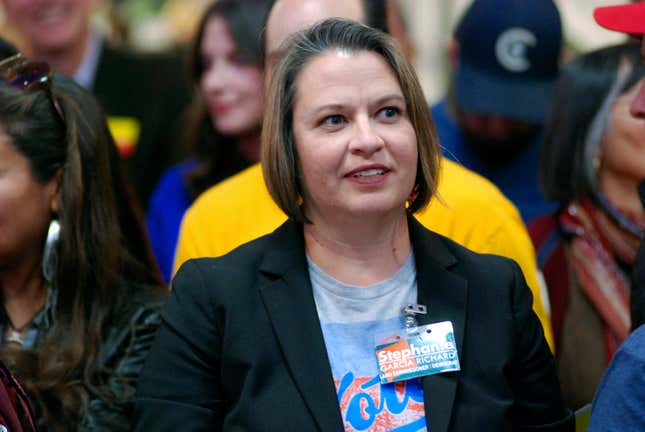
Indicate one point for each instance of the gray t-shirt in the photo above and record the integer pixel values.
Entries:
(354, 320)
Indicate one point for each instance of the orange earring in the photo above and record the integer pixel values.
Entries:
(414, 193)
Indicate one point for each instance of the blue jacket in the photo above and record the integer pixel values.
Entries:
(168, 203)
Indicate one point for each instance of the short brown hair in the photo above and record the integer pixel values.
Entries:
(279, 155)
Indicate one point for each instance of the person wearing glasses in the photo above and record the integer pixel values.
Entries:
(79, 287)
(351, 315)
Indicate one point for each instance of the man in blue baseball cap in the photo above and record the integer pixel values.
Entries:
(505, 56)
(620, 400)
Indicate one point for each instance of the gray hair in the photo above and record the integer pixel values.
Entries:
(600, 123)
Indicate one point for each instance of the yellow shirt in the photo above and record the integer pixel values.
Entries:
(470, 210)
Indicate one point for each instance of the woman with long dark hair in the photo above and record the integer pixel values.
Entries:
(79, 286)
(224, 123)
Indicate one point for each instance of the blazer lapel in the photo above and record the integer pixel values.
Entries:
(445, 295)
(287, 295)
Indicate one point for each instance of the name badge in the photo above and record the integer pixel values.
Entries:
(418, 351)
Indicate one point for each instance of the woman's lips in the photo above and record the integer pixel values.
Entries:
(220, 109)
(372, 174)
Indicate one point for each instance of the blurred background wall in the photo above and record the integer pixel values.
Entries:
(151, 25)
(430, 24)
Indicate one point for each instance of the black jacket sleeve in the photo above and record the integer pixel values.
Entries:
(637, 299)
(181, 369)
(539, 403)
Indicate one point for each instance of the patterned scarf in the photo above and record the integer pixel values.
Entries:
(598, 243)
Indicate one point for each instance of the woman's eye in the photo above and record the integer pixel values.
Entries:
(239, 60)
(389, 112)
(333, 120)
(206, 64)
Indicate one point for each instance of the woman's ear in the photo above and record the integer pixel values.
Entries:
(596, 162)
(54, 193)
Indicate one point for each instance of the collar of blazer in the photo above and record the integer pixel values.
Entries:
(286, 291)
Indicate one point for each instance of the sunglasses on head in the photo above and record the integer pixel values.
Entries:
(21, 74)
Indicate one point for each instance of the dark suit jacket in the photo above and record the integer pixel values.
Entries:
(637, 297)
(241, 347)
(152, 88)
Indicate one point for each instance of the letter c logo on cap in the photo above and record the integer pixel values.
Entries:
(510, 49)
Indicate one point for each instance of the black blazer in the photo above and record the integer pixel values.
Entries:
(241, 348)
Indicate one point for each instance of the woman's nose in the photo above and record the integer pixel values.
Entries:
(214, 78)
(366, 139)
(637, 108)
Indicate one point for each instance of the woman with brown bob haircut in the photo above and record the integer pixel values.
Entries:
(278, 162)
(351, 315)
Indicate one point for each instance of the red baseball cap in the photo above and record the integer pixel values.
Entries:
(627, 18)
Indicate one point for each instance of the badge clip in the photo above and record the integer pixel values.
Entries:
(410, 313)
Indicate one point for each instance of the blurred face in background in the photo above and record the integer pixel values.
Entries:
(231, 87)
(26, 207)
(622, 152)
(290, 16)
(496, 139)
(49, 25)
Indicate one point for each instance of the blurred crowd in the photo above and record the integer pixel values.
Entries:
(119, 166)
